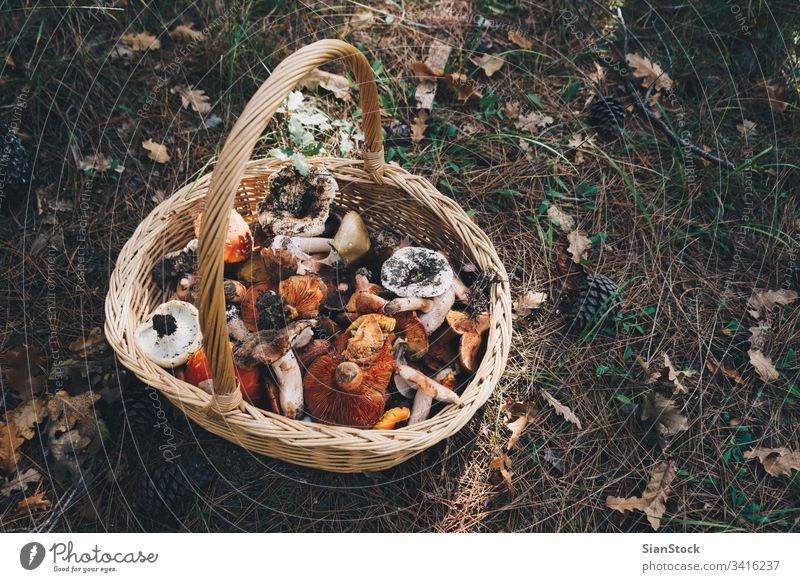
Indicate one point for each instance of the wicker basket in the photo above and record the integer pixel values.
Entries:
(386, 195)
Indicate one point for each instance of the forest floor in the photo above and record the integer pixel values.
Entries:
(694, 245)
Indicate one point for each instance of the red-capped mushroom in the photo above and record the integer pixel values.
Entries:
(238, 240)
(347, 394)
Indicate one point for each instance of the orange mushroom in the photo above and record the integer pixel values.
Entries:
(348, 394)
(410, 327)
(391, 418)
(198, 373)
(471, 332)
(304, 293)
(262, 308)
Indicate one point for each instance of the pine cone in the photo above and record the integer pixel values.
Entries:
(171, 486)
(606, 116)
(598, 296)
(139, 407)
(15, 163)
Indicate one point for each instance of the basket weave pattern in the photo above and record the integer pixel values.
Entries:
(385, 195)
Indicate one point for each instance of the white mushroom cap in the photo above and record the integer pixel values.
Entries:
(417, 272)
(297, 205)
(171, 334)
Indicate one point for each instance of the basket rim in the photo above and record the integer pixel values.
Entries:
(120, 323)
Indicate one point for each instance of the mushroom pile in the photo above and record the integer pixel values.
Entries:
(329, 321)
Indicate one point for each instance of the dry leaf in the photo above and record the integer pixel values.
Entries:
(490, 63)
(528, 302)
(713, 365)
(579, 245)
(69, 412)
(336, 84)
(27, 415)
(561, 219)
(34, 503)
(763, 365)
(519, 40)
(458, 82)
(185, 32)
(654, 499)
(762, 301)
(561, 410)
(90, 344)
(158, 152)
(777, 462)
(10, 441)
(669, 421)
(519, 415)
(196, 98)
(97, 162)
(532, 121)
(758, 335)
(669, 376)
(141, 41)
(775, 96)
(24, 371)
(599, 74)
(418, 126)
(500, 472)
(650, 73)
(746, 128)
(20, 482)
(510, 109)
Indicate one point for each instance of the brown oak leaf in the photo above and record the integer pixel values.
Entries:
(653, 502)
(778, 462)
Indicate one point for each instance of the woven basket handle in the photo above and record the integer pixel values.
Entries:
(225, 181)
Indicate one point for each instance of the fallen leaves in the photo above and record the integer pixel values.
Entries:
(561, 410)
(775, 96)
(18, 427)
(418, 126)
(561, 219)
(98, 162)
(141, 41)
(35, 503)
(669, 420)
(194, 98)
(20, 482)
(185, 32)
(579, 245)
(500, 472)
(713, 365)
(653, 502)
(532, 121)
(746, 128)
(649, 72)
(762, 301)
(336, 84)
(763, 365)
(518, 415)
(778, 462)
(458, 82)
(528, 302)
(671, 377)
(490, 63)
(75, 431)
(519, 40)
(157, 151)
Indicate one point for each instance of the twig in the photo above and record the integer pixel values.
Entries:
(641, 105)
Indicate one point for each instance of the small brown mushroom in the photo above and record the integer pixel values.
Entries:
(411, 328)
(234, 290)
(280, 263)
(471, 332)
(263, 308)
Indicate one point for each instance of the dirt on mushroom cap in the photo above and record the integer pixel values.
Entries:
(413, 269)
(296, 196)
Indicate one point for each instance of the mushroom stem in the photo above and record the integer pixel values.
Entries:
(312, 244)
(399, 353)
(367, 302)
(421, 408)
(290, 384)
(437, 313)
(408, 304)
(428, 385)
(462, 291)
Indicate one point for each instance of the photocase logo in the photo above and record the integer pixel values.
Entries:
(31, 555)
